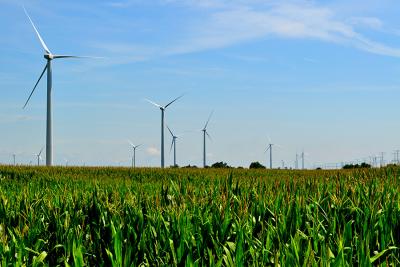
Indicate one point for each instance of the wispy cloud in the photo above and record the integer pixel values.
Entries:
(244, 24)
(368, 22)
(227, 23)
(18, 118)
(153, 151)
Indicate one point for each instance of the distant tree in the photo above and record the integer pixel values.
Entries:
(256, 165)
(356, 166)
(190, 166)
(319, 168)
(365, 165)
(220, 165)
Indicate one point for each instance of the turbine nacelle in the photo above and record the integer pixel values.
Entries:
(48, 56)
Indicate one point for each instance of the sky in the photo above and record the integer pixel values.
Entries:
(315, 76)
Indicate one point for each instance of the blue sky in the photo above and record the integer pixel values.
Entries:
(322, 76)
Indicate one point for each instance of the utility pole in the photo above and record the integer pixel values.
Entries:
(396, 156)
(382, 159)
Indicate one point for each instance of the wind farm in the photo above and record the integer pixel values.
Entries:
(319, 78)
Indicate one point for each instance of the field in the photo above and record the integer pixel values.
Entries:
(194, 217)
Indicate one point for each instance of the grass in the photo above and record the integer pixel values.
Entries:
(191, 217)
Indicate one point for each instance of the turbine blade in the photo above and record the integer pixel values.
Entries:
(267, 149)
(172, 144)
(40, 153)
(138, 145)
(37, 33)
(209, 136)
(154, 103)
(41, 75)
(173, 100)
(130, 142)
(70, 56)
(170, 131)
(209, 118)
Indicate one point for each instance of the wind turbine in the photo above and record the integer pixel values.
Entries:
(204, 130)
(162, 108)
(39, 157)
(173, 144)
(270, 154)
(302, 156)
(269, 147)
(134, 153)
(49, 57)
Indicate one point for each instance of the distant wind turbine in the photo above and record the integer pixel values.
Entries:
(163, 108)
(270, 154)
(302, 156)
(173, 144)
(49, 57)
(39, 157)
(134, 153)
(204, 130)
(269, 148)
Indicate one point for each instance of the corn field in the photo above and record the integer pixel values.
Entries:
(198, 217)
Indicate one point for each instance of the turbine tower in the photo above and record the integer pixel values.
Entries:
(49, 57)
(204, 130)
(39, 157)
(173, 144)
(270, 154)
(162, 108)
(134, 153)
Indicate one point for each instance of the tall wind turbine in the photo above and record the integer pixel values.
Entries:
(134, 153)
(39, 157)
(49, 57)
(269, 148)
(173, 144)
(162, 108)
(204, 130)
(270, 154)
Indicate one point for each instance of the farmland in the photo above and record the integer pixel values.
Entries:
(188, 217)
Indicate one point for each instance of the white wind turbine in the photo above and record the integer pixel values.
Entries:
(49, 57)
(269, 148)
(173, 144)
(163, 108)
(204, 130)
(39, 157)
(134, 153)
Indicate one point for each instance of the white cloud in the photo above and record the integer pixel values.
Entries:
(369, 22)
(153, 151)
(305, 21)
(223, 23)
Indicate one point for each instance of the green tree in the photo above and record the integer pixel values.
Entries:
(256, 165)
